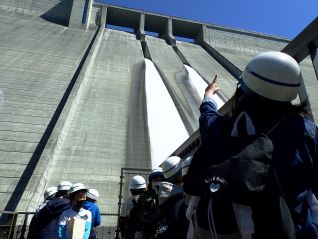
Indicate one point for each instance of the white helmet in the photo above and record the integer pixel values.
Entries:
(273, 75)
(137, 182)
(171, 166)
(77, 187)
(92, 194)
(64, 186)
(50, 191)
(185, 165)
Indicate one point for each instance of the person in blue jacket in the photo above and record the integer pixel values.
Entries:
(66, 229)
(90, 204)
(269, 84)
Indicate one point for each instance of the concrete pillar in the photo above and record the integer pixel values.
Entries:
(141, 28)
(80, 14)
(142, 37)
(202, 35)
(168, 33)
(103, 15)
(94, 20)
(88, 13)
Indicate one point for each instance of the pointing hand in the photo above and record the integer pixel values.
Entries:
(212, 88)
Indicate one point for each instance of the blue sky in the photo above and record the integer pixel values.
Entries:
(284, 18)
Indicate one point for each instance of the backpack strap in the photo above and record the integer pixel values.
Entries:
(274, 172)
(275, 125)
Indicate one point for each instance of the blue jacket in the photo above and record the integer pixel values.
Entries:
(65, 230)
(95, 212)
(45, 222)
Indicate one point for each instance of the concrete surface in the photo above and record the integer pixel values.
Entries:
(38, 59)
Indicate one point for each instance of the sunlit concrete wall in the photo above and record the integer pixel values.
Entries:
(53, 10)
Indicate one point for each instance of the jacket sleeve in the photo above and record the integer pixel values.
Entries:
(315, 165)
(193, 182)
(33, 227)
(96, 216)
(98, 220)
(62, 231)
(87, 230)
(209, 119)
(62, 227)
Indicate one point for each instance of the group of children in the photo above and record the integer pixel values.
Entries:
(159, 209)
(67, 209)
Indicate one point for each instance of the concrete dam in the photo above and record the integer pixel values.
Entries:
(88, 88)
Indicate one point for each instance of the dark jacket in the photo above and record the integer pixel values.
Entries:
(45, 222)
(172, 221)
(295, 143)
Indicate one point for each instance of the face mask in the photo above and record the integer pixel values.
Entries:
(156, 186)
(135, 197)
(78, 205)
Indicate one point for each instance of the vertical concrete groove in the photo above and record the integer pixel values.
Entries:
(145, 49)
(229, 66)
(182, 58)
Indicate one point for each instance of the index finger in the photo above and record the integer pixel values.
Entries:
(215, 78)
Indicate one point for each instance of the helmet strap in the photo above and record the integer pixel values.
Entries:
(244, 88)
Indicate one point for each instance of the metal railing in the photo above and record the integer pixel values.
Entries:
(16, 224)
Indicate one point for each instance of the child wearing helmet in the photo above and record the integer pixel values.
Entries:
(137, 187)
(146, 211)
(44, 222)
(63, 189)
(77, 196)
(268, 86)
(48, 195)
(156, 175)
(171, 220)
